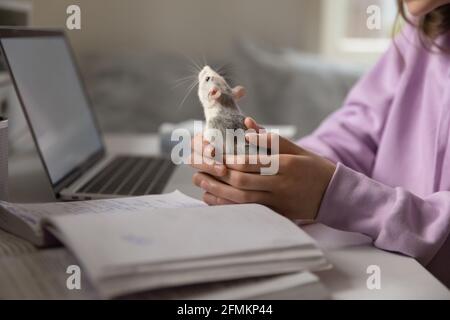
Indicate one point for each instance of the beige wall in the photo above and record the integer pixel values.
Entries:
(187, 26)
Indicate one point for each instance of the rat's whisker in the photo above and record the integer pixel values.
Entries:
(193, 63)
(187, 95)
(182, 83)
(188, 81)
(194, 70)
(198, 65)
(185, 78)
(200, 62)
(179, 82)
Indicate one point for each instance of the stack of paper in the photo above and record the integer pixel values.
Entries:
(170, 247)
(19, 281)
(134, 245)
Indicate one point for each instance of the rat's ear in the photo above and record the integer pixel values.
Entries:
(215, 93)
(238, 92)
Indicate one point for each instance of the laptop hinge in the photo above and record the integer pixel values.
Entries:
(69, 178)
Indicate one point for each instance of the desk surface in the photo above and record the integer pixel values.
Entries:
(401, 277)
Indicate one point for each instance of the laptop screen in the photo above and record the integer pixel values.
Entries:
(54, 100)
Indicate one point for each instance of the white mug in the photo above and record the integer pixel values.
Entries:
(4, 195)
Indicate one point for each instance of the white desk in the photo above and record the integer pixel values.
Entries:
(350, 254)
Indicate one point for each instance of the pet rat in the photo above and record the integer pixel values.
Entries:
(219, 103)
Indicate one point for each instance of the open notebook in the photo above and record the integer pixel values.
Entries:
(25, 220)
(138, 244)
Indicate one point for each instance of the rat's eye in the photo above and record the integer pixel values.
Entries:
(207, 79)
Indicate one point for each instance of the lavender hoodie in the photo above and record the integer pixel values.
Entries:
(391, 144)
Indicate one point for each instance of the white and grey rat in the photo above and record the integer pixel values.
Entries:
(219, 102)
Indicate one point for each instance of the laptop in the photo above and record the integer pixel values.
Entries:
(63, 125)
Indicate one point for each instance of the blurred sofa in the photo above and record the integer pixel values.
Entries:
(137, 93)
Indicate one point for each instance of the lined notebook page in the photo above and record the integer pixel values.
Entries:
(32, 214)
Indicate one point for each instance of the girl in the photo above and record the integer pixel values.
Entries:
(381, 164)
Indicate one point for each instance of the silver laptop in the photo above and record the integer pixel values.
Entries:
(67, 137)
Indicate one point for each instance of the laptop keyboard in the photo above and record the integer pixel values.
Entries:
(131, 176)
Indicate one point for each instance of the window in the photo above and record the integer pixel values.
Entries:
(346, 34)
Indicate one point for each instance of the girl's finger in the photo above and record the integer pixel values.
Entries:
(251, 124)
(274, 141)
(202, 157)
(248, 181)
(201, 146)
(224, 191)
(249, 163)
(209, 166)
(212, 200)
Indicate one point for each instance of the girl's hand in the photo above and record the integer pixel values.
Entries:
(296, 191)
(206, 151)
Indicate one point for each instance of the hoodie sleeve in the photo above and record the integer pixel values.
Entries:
(396, 219)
